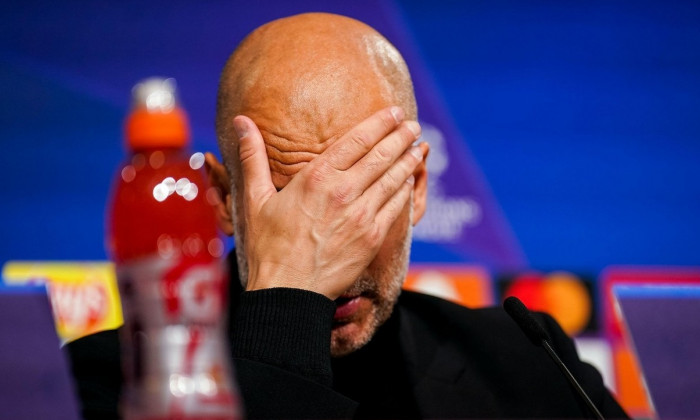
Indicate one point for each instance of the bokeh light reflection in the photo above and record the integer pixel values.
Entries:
(157, 159)
(170, 183)
(160, 192)
(216, 247)
(181, 184)
(197, 160)
(183, 187)
(213, 196)
(128, 173)
(190, 191)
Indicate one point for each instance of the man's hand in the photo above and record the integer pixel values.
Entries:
(324, 228)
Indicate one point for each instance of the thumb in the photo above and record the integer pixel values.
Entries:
(255, 168)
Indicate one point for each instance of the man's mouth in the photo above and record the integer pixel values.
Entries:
(346, 307)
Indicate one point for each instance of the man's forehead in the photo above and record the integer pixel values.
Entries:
(299, 124)
(289, 151)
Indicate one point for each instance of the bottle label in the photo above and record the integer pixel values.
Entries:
(175, 354)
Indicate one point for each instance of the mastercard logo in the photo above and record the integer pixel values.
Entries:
(561, 294)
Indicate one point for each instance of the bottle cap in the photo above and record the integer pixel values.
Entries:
(156, 119)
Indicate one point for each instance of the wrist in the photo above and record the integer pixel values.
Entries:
(268, 275)
(289, 328)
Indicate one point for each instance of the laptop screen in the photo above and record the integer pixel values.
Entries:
(663, 323)
(35, 381)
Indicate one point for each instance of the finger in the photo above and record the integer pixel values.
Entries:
(255, 168)
(384, 154)
(354, 144)
(386, 186)
(391, 210)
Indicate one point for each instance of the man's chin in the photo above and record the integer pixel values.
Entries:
(357, 319)
(350, 336)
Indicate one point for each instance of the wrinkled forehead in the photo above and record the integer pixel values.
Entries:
(303, 128)
(301, 109)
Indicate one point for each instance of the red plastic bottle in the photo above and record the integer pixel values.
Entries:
(162, 237)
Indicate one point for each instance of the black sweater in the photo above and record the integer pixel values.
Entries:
(431, 359)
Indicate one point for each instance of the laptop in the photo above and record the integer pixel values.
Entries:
(35, 382)
(663, 324)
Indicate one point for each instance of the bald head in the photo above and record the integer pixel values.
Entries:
(305, 80)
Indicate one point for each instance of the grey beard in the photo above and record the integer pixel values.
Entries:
(385, 300)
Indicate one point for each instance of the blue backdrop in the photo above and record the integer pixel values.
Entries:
(574, 124)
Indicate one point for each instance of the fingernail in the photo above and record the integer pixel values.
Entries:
(397, 113)
(241, 127)
(414, 127)
(411, 180)
(417, 152)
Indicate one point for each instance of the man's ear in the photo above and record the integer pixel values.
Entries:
(219, 181)
(420, 187)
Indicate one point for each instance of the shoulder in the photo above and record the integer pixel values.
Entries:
(450, 316)
(95, 363)
(481, 333)
(483, 354)
(431, 309)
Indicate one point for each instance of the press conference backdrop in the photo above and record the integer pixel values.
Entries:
(565, 136)
(574, 124)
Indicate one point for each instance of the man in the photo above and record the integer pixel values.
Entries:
(340, 223)
(316, 125)
(316, 121)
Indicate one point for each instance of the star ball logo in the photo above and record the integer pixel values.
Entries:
(567, 297)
